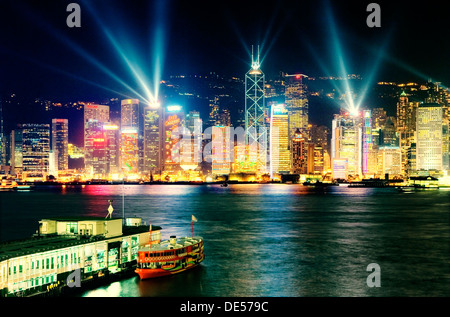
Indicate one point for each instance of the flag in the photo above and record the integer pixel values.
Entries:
(194, 219)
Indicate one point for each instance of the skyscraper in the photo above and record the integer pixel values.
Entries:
(299, 153)
(129, 113)
(389, 161)
(152, 140)
(130, 136)
(346, 143)
(191, 144)
(60, 141)
(174, 117)
(280, 157)
(429, 137)
(111, 134)
(16, 151)
(221, 150)
(406, 125)
(95, 158)
(296, 101)
(367, 142)
(255, 126)
(35, 148)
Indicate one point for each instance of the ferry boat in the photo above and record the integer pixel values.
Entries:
(9, 185)
(169, 257)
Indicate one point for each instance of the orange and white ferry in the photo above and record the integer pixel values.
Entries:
(169, 257)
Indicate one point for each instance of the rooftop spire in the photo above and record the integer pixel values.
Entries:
(255, 63)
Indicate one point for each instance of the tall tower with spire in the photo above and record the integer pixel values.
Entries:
(255, 127)
(2, 140)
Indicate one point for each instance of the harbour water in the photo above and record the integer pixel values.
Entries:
(271, 240)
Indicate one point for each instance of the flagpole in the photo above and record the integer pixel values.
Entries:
(193, 219)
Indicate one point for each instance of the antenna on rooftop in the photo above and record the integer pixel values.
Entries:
(255, 63)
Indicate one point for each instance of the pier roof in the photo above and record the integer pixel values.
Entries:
(38, 244)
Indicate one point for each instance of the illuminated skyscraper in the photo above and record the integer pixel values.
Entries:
(173, 120)
(255, 126)
(129, 114)
(319, 137)
(35, 148)
(95, 159)
(429, 137)
(280, 157)
(406, 125)
(368, 167)
(95, 152)
(296, 101)
(191, 144)
(299, 153)
(16, 151)
(152, 140)
(221, 150)
(129, 136)
(96, 112)
(111, 137)
(60, 142)
(389, 161)
(346, 143)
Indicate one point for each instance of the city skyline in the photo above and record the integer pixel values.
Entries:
(150, 96)
(309, 142)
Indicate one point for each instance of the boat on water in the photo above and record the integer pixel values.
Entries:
(9, 185)
(169, 257)
(406, 189)
(320, 184)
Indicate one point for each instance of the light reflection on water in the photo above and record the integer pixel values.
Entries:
(272, 240)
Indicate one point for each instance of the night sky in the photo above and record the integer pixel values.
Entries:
(42, 56)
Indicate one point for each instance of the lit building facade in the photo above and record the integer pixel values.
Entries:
(221, 151)
(130, 137)
(389, 162)
(129, 153)
(95, 158)
(367, 144)
(16, 159)
(60, 143)
(280, 156)
(346, 142)
(35, 148)
(255, 126)
(406, 125)
(173, 120)
(191, 143)
(429, 137)
(111, 137)
(299, 153)
(152, 140)
(296, 101)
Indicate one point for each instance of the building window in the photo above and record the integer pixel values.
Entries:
(72, 227)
